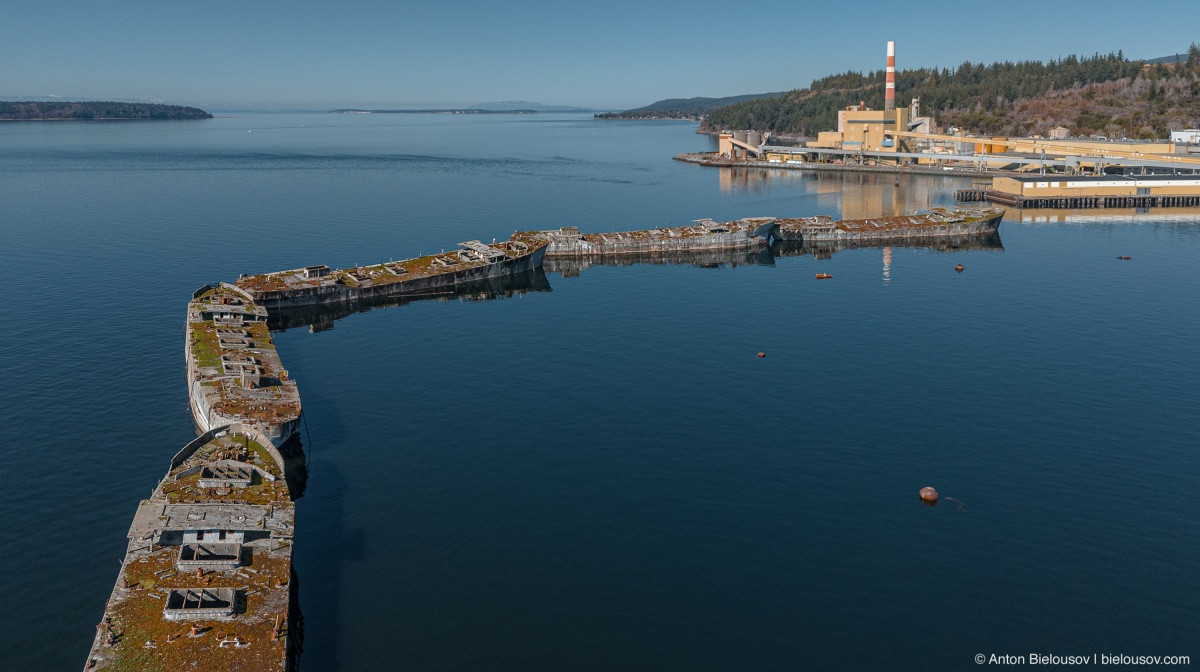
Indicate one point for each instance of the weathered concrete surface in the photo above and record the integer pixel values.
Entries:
(938, 223)
(703, 235)
(169, 611)
(241, 379)
(329, 292)
(318, 317)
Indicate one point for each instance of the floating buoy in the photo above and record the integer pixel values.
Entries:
(762, 354)
(824, 276)
(928, 495)
(959, 268)
(1125, 258)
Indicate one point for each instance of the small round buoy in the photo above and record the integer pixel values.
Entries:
(959, 268)
(762, 354)
(928, 495)
(1125, 258)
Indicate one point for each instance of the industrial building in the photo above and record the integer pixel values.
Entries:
(901, 137)
(1098, 191)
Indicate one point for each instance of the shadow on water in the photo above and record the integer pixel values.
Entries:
(321, 317)
(295, 465)
(327, 543)
(295, 628)
(335, 545)
(295, 471)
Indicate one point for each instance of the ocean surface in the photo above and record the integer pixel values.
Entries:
(598, 473)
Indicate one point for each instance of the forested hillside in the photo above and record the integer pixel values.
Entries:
(682, 108)
(1105, 94)
(33, 111)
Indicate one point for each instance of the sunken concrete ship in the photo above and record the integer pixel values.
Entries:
(207, 579)
(473, 262)
(703, 234)
(234, 374)
(934, 223)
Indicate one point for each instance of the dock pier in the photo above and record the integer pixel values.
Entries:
(1077, 202)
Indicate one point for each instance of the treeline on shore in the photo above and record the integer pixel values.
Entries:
(1106, 94)
(681, 108)
(44, 111)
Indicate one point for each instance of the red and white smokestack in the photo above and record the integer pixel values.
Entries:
(889, 91)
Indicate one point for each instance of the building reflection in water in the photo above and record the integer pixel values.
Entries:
(848, 195)
(1185, 216)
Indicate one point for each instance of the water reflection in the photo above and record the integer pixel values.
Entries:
(825, 249)
(321, 317)
(765, 256)
(1105, 215)
(569, 268)
(854, 195)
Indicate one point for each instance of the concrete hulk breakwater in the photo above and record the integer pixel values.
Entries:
(207, 575)
(320, 317)
(704, 234)
(935, 223)
(475, 262)
(234, 373)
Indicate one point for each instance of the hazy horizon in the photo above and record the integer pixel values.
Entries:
(618, 55)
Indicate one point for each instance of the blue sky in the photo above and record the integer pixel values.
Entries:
(610, 54)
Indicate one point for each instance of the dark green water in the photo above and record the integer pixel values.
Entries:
(604, 476)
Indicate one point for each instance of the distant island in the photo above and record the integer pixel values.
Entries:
(468, 110)
(95, 111)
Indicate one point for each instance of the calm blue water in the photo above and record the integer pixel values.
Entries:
(604, 476)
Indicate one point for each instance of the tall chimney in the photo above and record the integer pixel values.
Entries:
(889, 92)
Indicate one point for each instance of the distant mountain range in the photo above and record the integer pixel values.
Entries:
(439, 110)
(509, 105)
(683, 108)
(1177, 58)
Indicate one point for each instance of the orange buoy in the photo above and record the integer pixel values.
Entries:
(824, 276)
(1125, 258)
(928, 495)
(959, 268)
(762, 354)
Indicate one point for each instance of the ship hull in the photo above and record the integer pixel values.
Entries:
(338, 293)
(206, 419)
(833, 234)
(574, 246)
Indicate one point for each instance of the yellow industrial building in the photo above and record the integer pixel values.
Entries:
(1065, 186)
(861, 128)
(1036, 191)
(899, 136)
